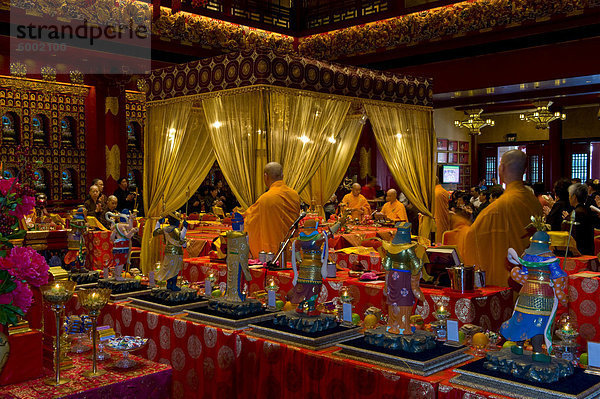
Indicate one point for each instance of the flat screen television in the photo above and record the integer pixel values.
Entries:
(450, 174)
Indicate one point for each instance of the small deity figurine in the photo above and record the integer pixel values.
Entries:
(9, 134)
(312, 269)
(37, 128)
(75, 240)
(66, 132)
(174, 244)
(122, 231)
(237, 265)
(543, 283)
(403, 264)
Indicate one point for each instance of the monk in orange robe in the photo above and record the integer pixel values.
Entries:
(356, 202)
(501, 225)
(442, 212)
(393, 209)
(268, 220)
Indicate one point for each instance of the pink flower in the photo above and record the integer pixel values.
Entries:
(22, 296)
(24, 263)
(24, 208)
(5, 184)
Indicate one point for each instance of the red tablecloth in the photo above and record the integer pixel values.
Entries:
(448, 390)
(150, 381)
(579, 264)
(99, 249)
(372, 261)
(488, 307)
(209, 362)
(584, 304)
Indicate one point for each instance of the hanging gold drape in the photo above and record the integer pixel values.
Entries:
(406, 139)
(335, 164)
(177, 157)
(236, 123)
(301, 126)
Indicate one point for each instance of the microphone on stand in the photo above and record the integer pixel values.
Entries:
(273, 264)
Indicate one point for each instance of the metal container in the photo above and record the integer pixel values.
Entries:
(270, 256)
(262, 256)
(462, 278)
(331, 270)
(479, 278)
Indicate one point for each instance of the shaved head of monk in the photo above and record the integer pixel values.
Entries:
(512, 166)
(356, 189)
(273, 172)
(391, 195)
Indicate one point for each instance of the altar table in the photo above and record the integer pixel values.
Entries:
(149, 381)
(99, 249)
(488, 306)
(213, 363)
(584, 306)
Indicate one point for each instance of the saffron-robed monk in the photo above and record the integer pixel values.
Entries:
(393, 209)
(356, 202)
(501, 225)
(268, 220)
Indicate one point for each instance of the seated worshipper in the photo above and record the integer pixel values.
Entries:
(268, 220)
(212, 199)
(501, 225)
(475, 201)
(441, 211)
(330, 206)
(593, 192)
(369, 191)
(92, 205)
(125, 198)
(356, 203)
(496, 191)
(562, 204)
(393, 209)
(585, 219)
(100, 184)
(111, 209)
(484, 201)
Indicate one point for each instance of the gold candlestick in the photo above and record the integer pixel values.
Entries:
(93, 301)
(57, 294)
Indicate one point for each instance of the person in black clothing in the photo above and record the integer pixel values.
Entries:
(561, 193)
(593, 192)
(125, 199)
(583, 232)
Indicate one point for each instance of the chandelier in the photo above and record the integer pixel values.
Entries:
(475, 122)
(542, 116)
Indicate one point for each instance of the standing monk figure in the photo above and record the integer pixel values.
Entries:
(268, 220)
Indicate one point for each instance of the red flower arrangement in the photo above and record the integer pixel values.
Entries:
(19, 266)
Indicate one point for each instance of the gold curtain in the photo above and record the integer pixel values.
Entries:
(406, 139)
(177, 157)
(300, 126)
(331, 171)
(236, 124)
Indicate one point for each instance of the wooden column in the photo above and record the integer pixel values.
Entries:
(554, 158)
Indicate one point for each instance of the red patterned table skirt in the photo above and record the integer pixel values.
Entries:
(150, 381)
(209, 362)
(579, 264)
(99, 249)
(584, 304)
(371, 261)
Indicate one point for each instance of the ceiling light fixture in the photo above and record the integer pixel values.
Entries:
(475, 122)
(542, 116)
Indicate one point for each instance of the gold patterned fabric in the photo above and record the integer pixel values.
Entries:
(177, 156)
(406, 139)
(294, 115)
(335, 164)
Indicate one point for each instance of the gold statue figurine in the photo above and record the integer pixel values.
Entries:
(174, 243)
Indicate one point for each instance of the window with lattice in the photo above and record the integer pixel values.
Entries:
(579, 166)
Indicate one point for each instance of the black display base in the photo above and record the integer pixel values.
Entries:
(430, 361)
(579, 385)
(85, 278)
(120, 286)
(204, 313)
(311, 340)
(235, 309)
(307, 324)
(165, 306)
(523, 366)
(419, 341)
